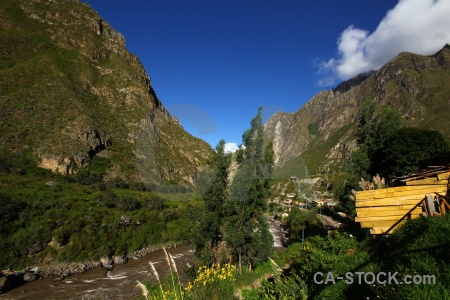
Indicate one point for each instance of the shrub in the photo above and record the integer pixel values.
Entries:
(107, 199)
(9, 211)
(279, 288)
(154, 202)
(32, 239)
(215, 282)
(403, 149)
(300, 220)
(118, 183)
(127, 203)
(337, 253)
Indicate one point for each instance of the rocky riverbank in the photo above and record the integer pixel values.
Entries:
(10, 279)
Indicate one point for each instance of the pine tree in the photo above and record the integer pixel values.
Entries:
(247, 233)
(208, 231)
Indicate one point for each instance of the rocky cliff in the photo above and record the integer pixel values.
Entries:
(322, 131)
(70, 90)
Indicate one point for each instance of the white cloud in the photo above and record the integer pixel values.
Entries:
(418, 26)
(230, 147)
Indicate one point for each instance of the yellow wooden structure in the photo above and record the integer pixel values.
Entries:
(383, 210)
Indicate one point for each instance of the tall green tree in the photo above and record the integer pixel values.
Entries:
(247, 233)
(358, 169)
(208, 232)
(306, 221)
(375, 127)
(401, 152)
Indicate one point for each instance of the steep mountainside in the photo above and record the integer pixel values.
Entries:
(322, 131)
(70, 90)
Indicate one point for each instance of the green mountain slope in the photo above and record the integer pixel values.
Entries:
(321, 133)
(70, 90)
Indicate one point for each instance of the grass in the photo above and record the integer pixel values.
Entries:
(81, 221)
(420, 247)
(214, 282)
(222, 282)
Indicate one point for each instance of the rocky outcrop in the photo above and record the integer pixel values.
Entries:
(279, 129)
(106, 261)
(417, 86)
(318, 120)
(29, 276)
(119, 259)
(5, 283)
(10, 279)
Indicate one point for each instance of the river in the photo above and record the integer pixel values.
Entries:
(120, 283)
(279, 235)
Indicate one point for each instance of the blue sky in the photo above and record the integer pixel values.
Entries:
(213, 63)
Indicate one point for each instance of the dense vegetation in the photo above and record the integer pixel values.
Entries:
(391, 149)
(233, 223)
(386, 148)
(303, 224)
(47, 217)
(207, 234)
(416, 249)
(247, 232)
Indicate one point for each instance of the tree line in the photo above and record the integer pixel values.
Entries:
(232, 225)
(386, 147)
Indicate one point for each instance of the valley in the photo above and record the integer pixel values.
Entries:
(98, 177)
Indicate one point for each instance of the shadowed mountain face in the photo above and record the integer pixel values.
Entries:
(322, 131)
(70, 90)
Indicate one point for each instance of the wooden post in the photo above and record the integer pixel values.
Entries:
(444, 202)
(442, 207)
(421, 202)
(430, 205)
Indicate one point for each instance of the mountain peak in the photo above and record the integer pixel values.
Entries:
(354, 81)
(321, 133)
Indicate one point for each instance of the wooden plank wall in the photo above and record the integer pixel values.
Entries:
(380, 209)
